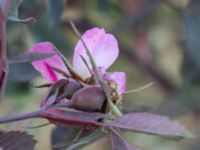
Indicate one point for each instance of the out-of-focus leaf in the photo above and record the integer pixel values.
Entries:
(22, 72)
(14, 5)
(189, 98)
(144, 11)
(8, 8)
(16, 140)
(85, 140)
(61, 137)
(151, 124)
(191, 61)
(13, 13)
(43, 32)
(178, 4)
(175, 108)
(1, 3)
(191, 20)
(1, 6)
(55, 10)
(119, 143)
(29, 57)
(103, 5)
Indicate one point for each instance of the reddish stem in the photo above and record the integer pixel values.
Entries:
(5, 8)
(4, 65)
(35, 114)
(52, 117)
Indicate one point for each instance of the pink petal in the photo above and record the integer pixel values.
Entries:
(103, 47)
(119, 78)
(44, 66)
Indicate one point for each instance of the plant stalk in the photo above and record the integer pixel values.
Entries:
(4, 64)
(35, 114)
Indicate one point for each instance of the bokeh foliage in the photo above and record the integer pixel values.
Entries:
(159, 41)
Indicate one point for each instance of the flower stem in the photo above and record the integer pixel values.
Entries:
(111, 106)
(35, 114)
(115, 111)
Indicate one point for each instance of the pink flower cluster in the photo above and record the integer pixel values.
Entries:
(103, 48)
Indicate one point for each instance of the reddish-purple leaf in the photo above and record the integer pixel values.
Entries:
(151, 124)
(119, 143)
(76, 114)
(73, 117)
(16, 140)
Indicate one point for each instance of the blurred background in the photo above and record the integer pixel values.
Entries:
(159, 42)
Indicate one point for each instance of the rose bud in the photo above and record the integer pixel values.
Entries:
(54, 92)
(67, 88)
(89, 98)
(60, 90)
(70, 88)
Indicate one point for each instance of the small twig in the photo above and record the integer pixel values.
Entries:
(61, 144)
(38, 126)
(139, 89)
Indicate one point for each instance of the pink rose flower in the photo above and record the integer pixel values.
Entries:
(103, 47)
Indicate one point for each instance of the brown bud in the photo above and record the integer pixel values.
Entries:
(54, 92)
(89, 98)
(60, 90)
(70, 88)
